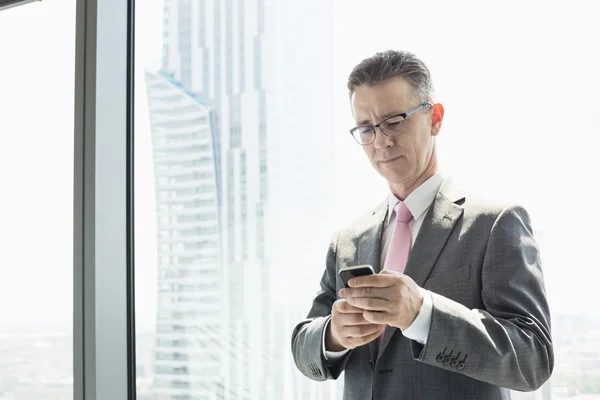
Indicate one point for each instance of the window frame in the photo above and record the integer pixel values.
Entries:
(6, 4)
(103, 250)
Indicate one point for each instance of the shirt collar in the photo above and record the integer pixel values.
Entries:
(420, 199)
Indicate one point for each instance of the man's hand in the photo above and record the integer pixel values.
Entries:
(388, 298)
(348, 328)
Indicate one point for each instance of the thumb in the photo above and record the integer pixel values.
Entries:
(390, 272)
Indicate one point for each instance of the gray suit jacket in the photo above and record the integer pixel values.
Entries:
(490, 327)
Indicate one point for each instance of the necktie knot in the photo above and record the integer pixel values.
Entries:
(402, 213)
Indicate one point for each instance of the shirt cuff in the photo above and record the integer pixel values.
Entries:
(331, 355)
(419, 329)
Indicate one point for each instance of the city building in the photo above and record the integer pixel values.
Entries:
(190, 344)
(243, 141)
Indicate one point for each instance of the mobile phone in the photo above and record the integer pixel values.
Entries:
(347, 273)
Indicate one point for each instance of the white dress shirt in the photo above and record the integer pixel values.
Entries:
(418, 202)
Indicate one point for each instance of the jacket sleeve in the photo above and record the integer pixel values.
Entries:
(307, 337)
(509, 343)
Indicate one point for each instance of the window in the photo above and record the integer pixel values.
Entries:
(241, 118)
(36, 170)
(274, 171)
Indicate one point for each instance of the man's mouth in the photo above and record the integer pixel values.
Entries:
(389, 160)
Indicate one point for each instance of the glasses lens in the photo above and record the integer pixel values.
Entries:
(393, 126)
(364, 135)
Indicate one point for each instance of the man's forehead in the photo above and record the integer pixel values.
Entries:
(385, 99)
(375, 115)
(374, 112)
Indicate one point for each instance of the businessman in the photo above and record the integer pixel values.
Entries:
(457, 308)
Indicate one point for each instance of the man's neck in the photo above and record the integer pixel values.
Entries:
(404, 189)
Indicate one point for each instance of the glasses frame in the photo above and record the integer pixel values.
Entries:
(373, 128)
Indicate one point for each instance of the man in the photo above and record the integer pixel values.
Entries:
(458, 307)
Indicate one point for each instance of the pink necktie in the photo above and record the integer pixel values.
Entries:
(400, 243)
(399, 247)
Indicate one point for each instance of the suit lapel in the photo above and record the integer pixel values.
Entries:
(369, 249)
(435, 231)
(369, 243)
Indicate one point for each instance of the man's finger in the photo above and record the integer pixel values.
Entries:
(369, 303)
(376, 317)
(366, 339)
(373, 336)
(389, 272)
(343, 307)
(369, 291)
(358, 331)
(352, 319)
(377, 280)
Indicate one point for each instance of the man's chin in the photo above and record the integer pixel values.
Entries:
(393, 177)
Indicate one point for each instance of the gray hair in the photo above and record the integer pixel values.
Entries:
(389, 64)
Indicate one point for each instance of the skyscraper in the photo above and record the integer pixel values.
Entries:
(189, 347)
(265, 80)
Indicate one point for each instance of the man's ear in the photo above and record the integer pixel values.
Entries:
(437, 116)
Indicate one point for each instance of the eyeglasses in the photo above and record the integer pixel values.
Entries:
(391, 126)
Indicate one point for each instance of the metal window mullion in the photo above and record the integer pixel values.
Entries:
(6, 4)
(103, 323)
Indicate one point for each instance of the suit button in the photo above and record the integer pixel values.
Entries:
(461, 366)
(447, 360)
(454, 362)
(440, 357)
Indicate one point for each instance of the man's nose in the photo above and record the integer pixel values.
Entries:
(382, 140)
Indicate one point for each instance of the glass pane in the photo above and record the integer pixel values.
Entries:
(244, 170)
(36, 168)
(221, 99)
